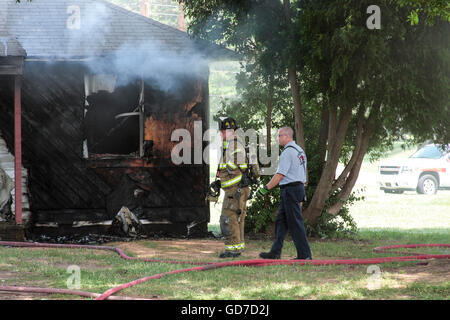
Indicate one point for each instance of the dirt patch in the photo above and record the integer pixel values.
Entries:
(7, 277)
(22, 296)
(185, 250)
(86, 265)
(430, 271)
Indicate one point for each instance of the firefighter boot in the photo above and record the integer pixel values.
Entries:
(229, 254)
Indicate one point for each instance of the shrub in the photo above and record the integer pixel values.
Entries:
(261, 215)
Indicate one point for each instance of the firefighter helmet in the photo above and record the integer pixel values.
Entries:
(227, 123)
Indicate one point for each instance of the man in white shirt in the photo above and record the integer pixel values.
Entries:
(291, 176)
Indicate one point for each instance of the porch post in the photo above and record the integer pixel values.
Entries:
(18, 148)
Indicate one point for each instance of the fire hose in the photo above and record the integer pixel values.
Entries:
(203, 266)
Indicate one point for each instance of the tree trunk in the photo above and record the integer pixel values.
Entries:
(323, 137)
(316, 171)
(350, 181)
(295, 89)
(347, 188)
(269, 113)
(336, 139)
(358, 141)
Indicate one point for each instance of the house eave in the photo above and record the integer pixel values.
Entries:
(11, 65)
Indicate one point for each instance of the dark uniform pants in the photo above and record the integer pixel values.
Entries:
(289, 217)
(231, 222)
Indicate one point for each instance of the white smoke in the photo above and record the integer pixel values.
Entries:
(87, 28)
(92, 30)
(150, 60)
(135, 58)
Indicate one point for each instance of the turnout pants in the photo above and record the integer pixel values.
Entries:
(232, 218)
(289, 217)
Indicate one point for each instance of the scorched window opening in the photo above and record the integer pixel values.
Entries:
(113, 117)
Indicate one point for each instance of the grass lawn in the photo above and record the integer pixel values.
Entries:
(102, 270)
(383, 219)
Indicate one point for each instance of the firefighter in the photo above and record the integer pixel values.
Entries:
(232, 173)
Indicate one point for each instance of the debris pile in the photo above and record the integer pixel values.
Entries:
(126, 224)
(6, 186)
(90, 239)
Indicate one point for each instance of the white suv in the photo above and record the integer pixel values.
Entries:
(426, 171)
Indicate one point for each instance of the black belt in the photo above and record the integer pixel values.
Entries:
(292, 184)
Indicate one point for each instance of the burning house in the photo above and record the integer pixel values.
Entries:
(90, 94)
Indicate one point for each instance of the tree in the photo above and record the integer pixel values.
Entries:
(377, 84)
(430, 9)
(362, 88)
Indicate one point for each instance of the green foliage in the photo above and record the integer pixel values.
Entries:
(405, 69)
(261, 213)
(431, 9)
(251, 109)
(222, 86)
(414, 17)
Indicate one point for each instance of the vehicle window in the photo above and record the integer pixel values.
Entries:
(429, 152)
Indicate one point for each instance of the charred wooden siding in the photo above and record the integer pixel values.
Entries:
(66, 188)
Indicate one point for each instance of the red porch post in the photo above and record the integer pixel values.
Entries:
(18, 148)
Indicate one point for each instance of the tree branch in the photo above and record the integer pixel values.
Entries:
(323, 138)
(269, 112)
(347, 188)
(314, 210)
(358, 140)
(316, 170)
(332, 125)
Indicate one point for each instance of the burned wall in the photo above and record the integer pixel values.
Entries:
(168, 111)
(67, 187)
(51, 136)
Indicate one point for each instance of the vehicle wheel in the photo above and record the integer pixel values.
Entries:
(427, 184)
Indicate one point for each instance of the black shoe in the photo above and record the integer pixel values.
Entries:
(269, 255)
(309, 258)
(229, 254)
